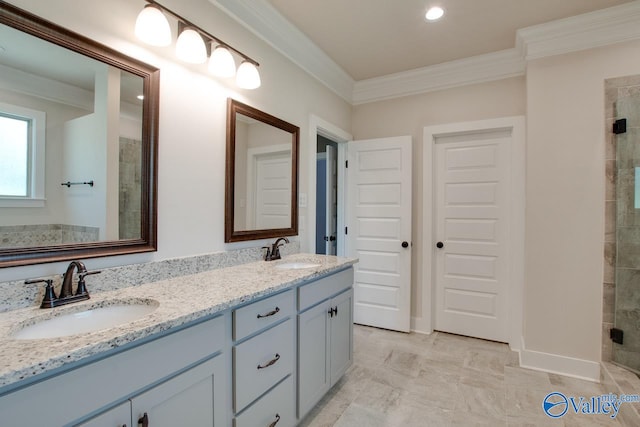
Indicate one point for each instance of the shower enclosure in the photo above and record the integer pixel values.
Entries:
(626, 332)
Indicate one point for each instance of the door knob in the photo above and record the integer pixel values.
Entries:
(405, 244)
(439, 245)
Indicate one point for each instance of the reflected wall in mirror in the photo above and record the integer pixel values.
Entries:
(261, 175)
(78, 145)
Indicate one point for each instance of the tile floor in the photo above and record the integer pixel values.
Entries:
(444, 380)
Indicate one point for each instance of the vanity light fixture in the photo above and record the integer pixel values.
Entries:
(248, 76)
(152, 26)
(434, 13)
(221, 63)
(194, 44)
(190, 47)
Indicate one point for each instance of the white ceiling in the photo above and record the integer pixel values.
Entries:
(372, 38)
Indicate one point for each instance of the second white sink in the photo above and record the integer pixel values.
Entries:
(90, 320)
(296, 265)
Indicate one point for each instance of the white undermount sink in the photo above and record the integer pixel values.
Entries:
(90, 320)
(296, 265)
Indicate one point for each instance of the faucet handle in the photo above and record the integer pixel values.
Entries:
(49, 292)
(267, 256)
(82, 288)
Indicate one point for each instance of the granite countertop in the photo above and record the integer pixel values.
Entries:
(180, 301)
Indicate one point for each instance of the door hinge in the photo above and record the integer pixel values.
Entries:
(346, 230)
(616, 335)
(620, 126)
(346, 164)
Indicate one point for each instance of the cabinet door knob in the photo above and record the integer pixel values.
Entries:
(439, 245)
(143, 420)
(405, 244)
(271, 313)
(273, 424)
(270, 362)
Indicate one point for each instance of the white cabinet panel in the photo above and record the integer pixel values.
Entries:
(189, 399)
(262, 314)
(275, 409)
(120, 416)
(341, 355)
(262, 361)
(313, 364)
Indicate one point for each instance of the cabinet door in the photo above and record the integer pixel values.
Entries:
(341, 347)
(313, 362)
(193, 398)
(120, 416)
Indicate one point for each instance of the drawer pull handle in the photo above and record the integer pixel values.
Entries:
(271, 313)
(143, 420)
(273, 424)
(270, 362)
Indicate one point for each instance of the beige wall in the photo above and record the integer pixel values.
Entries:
(409, 115)
(565, 198)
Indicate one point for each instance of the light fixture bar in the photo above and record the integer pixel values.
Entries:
(202, 32)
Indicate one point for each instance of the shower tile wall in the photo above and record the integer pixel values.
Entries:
(616, 89)
(130, 203)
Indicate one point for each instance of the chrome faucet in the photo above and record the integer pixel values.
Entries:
(273, 252)
(67, 296)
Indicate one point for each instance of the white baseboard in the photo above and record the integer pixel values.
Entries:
(562, 365)
(420, 325)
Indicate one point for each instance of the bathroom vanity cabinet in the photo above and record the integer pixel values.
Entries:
(178, 379)
(245, 366)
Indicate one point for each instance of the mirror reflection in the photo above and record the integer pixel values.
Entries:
(78, 145)
(66, 119)
(261, 175)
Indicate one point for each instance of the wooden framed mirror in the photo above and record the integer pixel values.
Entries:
(89, 183)
(261, 189)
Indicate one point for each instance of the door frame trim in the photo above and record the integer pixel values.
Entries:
(319, 126)
(516, 219)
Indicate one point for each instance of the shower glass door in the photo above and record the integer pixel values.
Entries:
(627, 274)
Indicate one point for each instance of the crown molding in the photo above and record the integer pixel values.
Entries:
(476, 69)
(41, 87)
(595, 29)
(268, 24)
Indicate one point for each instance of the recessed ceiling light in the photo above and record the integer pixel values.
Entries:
(434, 13)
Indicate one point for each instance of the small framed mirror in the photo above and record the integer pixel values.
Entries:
(261, 192)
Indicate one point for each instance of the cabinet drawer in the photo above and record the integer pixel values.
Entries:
(277, 405)
(262, 361)
(324, 288)
(262, 314)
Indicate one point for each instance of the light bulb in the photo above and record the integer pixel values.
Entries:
(248, 76)
(152, 26)
(221, 63)
(434, 13)
(190, 47)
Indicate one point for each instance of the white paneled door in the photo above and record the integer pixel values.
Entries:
(273, 191)
(471, 229)
(379, 230)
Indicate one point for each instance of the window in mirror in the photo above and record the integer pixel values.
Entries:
(21, 156)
